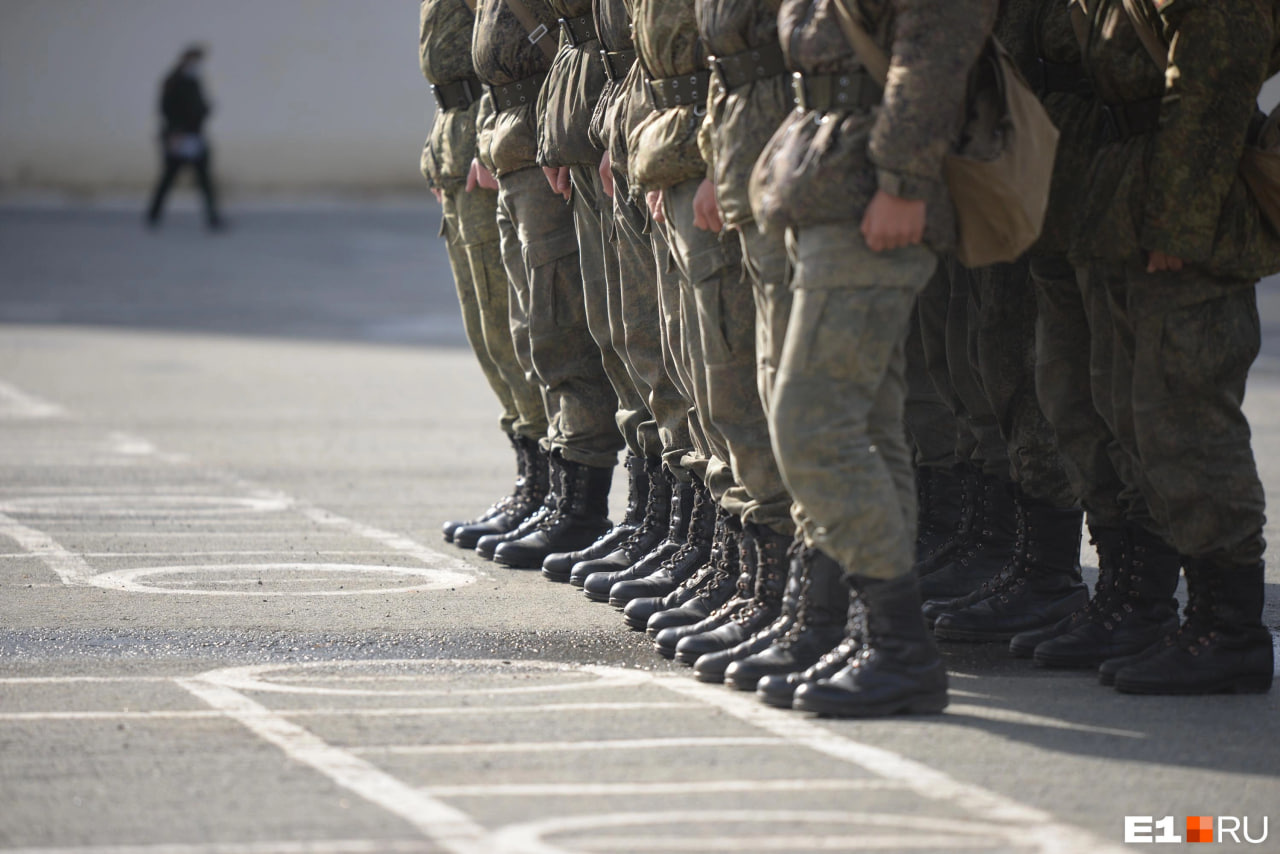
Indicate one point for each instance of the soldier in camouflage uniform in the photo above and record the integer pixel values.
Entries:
(719, 327)
(856, 179)
(471, 234)
(1180, 244)
(540, 252)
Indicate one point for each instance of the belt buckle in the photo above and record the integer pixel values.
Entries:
(567, 32)
(469, 95)
(653, 94)
(716, 67)
(797, 91)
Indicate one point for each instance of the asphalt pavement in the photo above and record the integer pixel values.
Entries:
(229, 625)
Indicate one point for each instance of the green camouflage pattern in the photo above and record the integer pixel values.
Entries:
(739, 124)
(444, 52)
(820, 169)
(664, 146)
(613, 25)
(540, 253)
(1178, 189)
(721, 340)
(470, 230)
(503, 54)
(569, 98)
(837, 416)
(449, 150)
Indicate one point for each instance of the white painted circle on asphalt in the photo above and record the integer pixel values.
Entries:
(265, 580)
(758, 830)
(123, 506)
(434, 677)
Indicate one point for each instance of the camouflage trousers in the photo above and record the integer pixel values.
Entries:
(549, 319)
(1182, 349)
(643, 327)
(720, 345)
(933, 427)
(837, 417)
(602, 288)
(470, 229)
(1075, 335)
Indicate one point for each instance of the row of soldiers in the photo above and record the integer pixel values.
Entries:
(701, 231)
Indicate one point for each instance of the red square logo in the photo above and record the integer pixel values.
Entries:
(1199, 828)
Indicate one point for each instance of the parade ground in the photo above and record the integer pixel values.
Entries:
(229, 624)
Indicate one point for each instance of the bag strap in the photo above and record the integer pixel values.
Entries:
(537, 30)
(870, 54)
(1140, 17)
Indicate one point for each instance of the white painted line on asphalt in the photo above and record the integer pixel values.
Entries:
(407, 712)
(685, 787)
(449, 828)
(133, 580)
(566, 746)
(58, 680)
(1009, 716)
(904, 832)
(1050, 835)
(253, 678)
(68, 566)
(16, 403)
(131, 505)
(283, 846)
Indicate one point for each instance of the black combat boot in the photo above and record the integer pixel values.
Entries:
(530, 493)
(694, 554)
(896, 670)
(504, 503)
(597, 585)
(713, 591)
(652, 542)
(821, 617)
(637, 612)
(961, 489)
(989, 548)
(779, 689)
(580, 516)
(744, 588)
(1040, 587)
(1222, 647)
(768, 550)
(940, 492)
(1132, 610)
(557, 566)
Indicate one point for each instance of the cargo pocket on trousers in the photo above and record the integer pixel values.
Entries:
(706, 272)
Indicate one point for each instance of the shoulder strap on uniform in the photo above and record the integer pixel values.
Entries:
(537, 30)
(1144, 24)
(870, 54)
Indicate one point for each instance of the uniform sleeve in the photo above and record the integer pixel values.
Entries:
(934, 46)
(1217, 62)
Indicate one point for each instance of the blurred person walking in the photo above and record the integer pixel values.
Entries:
(184, 110)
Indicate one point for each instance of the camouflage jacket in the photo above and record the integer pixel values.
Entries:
(664, 147)
(569, 97)
(444, 50)
(502, 52)
(1177, 189)
(826, 168)
(613, 23)
(739, 123)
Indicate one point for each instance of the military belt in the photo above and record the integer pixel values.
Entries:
(457, 95)
(578, 30)
(512, 95)
(1068, 77)
(739, 69)
(668, 92)
(846, 91)
(617, 63)
(1128, 119)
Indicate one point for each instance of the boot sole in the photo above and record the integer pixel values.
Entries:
(711, 677)
(595, 597)
(520, 564)
(665, 652)
(963, 636)
(1258, 684)
(928, 704)
(555, 577)
(739, 686)
(774, 701)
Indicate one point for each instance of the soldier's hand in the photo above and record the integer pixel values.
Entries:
(478, 176)
(654, 198)
(706, 211)
(606, 174)
(892, 223)
(1160, 262)
(558, 178)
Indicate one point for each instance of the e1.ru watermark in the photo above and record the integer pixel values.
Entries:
(1199, 828)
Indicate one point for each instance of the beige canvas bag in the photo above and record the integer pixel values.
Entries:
(999, 174)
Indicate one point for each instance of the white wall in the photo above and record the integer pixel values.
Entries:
(308, 94)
